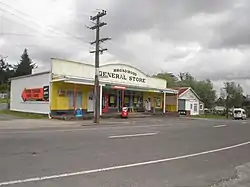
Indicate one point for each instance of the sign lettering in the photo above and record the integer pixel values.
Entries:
(36, 94)
(122, 74)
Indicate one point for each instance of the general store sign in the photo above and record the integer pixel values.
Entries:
(123, 74)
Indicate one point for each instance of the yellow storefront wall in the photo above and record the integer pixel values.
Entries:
(156, 98)
(61, 102)
(171, 103)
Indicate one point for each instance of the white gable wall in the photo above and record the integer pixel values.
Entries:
(192, 102)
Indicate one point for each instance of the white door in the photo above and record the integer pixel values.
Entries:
(90, 104)
(196, 108)
(191, 108)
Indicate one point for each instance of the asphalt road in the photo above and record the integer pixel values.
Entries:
(145, 152)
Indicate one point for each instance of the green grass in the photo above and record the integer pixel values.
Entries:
(24, 114)
(3, 100)
(211, 116)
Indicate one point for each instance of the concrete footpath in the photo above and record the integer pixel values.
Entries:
(34, 123)
(52, 123)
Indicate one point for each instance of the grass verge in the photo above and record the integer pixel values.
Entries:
(24, 114)
(3, 100)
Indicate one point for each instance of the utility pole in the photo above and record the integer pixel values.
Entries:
(227, 99)
(97, 51)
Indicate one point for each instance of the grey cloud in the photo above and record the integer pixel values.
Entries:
(234, 32)
(132, 16)
(166, 22)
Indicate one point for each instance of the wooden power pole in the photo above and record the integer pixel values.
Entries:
(227, 100)
(97, 51)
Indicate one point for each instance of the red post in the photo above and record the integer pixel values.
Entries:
(74, 98)
(122, 98)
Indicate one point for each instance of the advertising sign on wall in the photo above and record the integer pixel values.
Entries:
(36, 94)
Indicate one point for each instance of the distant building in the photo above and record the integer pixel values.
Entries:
(219, 108)
(3, 95)
(189, 102)
(248, 97)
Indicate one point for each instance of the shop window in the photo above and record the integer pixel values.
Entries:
(137, 101)
(158, 102)
(127, 100)
(201, 107)
(78, 99)
(112, 101)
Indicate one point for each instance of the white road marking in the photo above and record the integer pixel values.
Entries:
(218, 126)
(133, 135)
(83, 172)
(79, 129)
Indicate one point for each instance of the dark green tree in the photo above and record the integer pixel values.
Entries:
(203, 88)
(6, 72)
(206, 92)
(169, 77)
(233, 95)
(186, 80)
(25, 66)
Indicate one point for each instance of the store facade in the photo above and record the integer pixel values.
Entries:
(71, 86)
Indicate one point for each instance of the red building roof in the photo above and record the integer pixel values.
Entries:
(181, 90)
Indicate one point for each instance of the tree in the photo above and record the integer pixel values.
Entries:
(6, 72)
(186, 80)
(169, 77)
(25, 66)
(3, 67)
(206, 92)
(204, 88)
(234, 95)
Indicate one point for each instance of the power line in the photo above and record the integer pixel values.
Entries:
(39, 35)
(33, 35)
(53, 29)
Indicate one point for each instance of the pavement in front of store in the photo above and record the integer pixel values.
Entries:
(31, 124)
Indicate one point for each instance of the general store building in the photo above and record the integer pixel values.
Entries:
(69, 85)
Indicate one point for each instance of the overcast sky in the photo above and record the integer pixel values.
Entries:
(208, 38)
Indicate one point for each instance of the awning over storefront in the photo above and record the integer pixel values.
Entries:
(85, 81)
(75, 80)
(142, 89)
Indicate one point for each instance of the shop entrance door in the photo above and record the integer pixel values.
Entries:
(105, 103)
(90, 104)
(120, 96)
